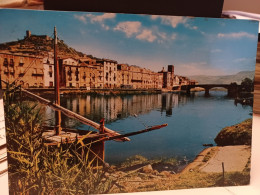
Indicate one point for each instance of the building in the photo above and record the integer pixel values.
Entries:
(109, 73)
(86, 72)
(24, 70)
(69, 72)
(168, 77)
(123, 75)
(48, 71)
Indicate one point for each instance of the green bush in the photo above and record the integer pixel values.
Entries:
(239, 134)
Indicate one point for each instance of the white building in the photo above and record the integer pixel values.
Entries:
(110, 73)
(48, 71)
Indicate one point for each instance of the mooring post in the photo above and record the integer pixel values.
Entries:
(102, 143)
(57, 85)
(223, 172)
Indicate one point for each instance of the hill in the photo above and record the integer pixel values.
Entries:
(39, 45)
(226, 79)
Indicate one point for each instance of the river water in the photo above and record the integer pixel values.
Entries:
(192, 121)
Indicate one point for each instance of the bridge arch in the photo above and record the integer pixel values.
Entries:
(231, 89)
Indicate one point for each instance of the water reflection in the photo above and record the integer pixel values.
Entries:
(112, 108)
(192, 121)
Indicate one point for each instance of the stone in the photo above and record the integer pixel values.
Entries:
(147, 169)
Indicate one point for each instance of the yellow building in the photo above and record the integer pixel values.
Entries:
(25, 70)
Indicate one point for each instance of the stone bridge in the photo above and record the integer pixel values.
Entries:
(232, 89)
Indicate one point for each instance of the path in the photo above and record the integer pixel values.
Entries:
(235, 158)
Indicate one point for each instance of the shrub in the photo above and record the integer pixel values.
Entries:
(35, 168)
(239, 134)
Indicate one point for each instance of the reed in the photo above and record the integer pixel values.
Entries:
(35, 168)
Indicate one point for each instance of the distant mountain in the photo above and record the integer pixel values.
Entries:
(227, 79)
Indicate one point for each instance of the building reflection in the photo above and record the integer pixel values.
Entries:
(113, 108)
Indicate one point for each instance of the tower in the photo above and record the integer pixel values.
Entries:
(171, 69)
(28, 34)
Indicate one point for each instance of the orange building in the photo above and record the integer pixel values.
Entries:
(25, 70)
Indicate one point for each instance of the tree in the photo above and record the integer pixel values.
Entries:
(247, 85)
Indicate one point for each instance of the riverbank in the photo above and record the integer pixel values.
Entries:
(206, 170)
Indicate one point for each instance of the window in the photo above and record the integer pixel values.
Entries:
(5, 62)
(11, 62)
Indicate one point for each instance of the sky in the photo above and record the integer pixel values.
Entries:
(195, 46)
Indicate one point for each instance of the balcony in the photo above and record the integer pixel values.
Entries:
(12, 71)
(37, 74)
(6, 71)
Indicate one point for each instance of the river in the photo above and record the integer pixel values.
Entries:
(192, 121)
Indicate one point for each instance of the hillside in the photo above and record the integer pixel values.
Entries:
(227, 79)
(39, 44)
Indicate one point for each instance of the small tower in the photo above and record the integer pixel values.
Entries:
(28, 34)
(171, 69)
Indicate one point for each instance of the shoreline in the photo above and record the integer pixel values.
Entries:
(235, 158)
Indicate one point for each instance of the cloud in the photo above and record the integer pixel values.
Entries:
(170, 20)
(146, 35)
(100, 19)
(135, 29)
(129, 28)
(81, 18)
(216, 51)
(238, 35)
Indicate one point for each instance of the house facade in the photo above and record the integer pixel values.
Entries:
(24, 70)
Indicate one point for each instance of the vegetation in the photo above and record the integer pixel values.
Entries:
(239, 134)
(209, 155)
(247, 85)
(35, 168)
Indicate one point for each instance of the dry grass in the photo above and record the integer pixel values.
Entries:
(37, 169)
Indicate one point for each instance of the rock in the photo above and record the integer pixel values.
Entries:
(165, 173)
(155, 172)
(147, 169)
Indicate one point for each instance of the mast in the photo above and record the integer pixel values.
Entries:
(57, 86)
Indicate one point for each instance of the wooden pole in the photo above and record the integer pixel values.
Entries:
(57, 86)
(74, 115)
(223, 172)
(102, 143)
(135, 133)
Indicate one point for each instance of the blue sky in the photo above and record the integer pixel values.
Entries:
(196, 46)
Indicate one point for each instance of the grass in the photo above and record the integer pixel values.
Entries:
(209, 155)
(35, 168)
